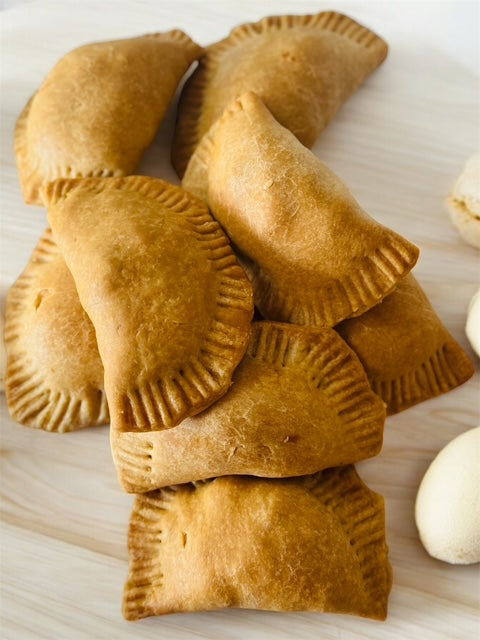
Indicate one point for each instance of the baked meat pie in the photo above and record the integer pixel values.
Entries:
(170, 304)
(99, 108)
(313, 255)
(302, 67)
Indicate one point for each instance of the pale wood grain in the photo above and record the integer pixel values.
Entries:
(399, 143)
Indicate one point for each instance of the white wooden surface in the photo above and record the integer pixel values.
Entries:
(398, 143)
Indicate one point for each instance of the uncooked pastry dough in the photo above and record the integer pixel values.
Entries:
(3, 357)
(464, 202)
(472, 328)
(447, 511)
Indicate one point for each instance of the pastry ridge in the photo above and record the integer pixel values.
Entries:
(166, 401)
(188, 135)
(343, 425)
(178, 36)
(144, 542)
(31, 401)
(358, 513)
(362, 517)
(159, 190)
(328, 20)
(408, 354)
(327, 366)
(376, 276)
(446, 369)
(372, 276)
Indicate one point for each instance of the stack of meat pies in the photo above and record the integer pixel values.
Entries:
(314, 257)
(136, 308)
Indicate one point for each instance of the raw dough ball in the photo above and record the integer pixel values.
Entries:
(464, 202)
(447, 511)
(472, 328)
(3, 357)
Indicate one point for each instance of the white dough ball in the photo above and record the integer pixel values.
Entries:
(463, 202)
(472, 328)
(447, 510)
(3, 356)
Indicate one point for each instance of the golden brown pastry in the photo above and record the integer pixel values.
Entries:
(312, 254)
(170, 304)
(99, 108)
(54, 378)
(303, 68)
(407, 353)
(299, 402)
(315, 543)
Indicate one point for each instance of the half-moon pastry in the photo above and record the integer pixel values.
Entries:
(170, 304)
(299, 402)
(408, 354)
(313, 255)
(54, 378)
(314, 543)
(303, 68)
(99, 108)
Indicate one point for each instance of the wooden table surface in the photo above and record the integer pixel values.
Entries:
(398, 143)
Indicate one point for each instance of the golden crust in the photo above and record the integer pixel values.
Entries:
(170, 304)
(303, 68)
(315, 543)
(99, 108)
(312, 254)
(408, 354)
(299, 402)
(54, 378)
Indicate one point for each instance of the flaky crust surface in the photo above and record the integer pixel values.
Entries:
(99, 108)
(408, 354)
(303, 68)
(170, 304)
(299, 402)
(312, 254)
(54, 378)
(315, 543)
